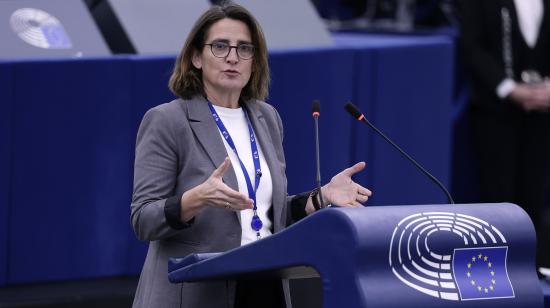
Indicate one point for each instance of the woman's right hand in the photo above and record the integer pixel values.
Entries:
(213, 192)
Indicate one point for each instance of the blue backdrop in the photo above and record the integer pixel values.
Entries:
(6, 99)
(69, 129)
(404, 87)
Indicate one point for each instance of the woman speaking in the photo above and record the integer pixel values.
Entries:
(209, 170)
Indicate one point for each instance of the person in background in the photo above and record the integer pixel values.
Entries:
(209, 171)
(506, 47)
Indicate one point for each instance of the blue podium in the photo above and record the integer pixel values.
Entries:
(464, 255)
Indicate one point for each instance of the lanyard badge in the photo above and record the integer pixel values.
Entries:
(256, 222)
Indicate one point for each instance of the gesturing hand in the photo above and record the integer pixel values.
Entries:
(213, 192)
(343, 191)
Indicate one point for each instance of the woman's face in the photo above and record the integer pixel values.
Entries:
(228, 74)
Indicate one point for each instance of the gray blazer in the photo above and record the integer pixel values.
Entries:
(178, 147)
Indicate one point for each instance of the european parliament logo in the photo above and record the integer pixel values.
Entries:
(472, 268)
(40, 29)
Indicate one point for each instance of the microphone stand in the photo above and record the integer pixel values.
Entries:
(316, 112)
(354, 111)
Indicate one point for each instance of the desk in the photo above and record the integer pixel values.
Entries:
(71, 124)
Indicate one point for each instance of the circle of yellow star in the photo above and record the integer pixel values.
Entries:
(482, 288)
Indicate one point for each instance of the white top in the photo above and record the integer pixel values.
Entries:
(235, 122)
(530, 13)
(529, 19)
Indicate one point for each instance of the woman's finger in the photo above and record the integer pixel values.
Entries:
(238, 199)
(363, 191)
(219, 172)
(362, 198)
(227, 193)
(236, 206)
(241, 202)
(354, 169)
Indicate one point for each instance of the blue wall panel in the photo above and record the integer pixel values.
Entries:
(297, 79)
(413, 106)
(72, 170)
(149, 88)
(6, 100)
(403, 85)
(150, 78)
(362, 136)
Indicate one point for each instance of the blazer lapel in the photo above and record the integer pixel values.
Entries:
(261, 131)
(205, 129)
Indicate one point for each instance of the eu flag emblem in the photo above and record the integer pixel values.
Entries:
(56, 36)
(480, 273)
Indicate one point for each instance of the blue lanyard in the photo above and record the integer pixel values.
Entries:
(256, 222)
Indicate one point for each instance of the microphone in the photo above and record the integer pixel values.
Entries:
(316, 112)
(354, 111)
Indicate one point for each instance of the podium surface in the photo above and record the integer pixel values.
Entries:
(467, 255)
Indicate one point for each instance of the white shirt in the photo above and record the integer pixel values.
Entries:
(530, 13)
(235, 122)
(529, 18)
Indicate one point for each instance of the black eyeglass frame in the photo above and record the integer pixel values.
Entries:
(229, 50)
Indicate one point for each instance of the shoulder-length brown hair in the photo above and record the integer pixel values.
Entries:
(186, 79)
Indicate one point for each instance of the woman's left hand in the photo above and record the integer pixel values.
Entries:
(343, 191)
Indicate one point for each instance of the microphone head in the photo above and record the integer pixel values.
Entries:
(316, 108)
(354, 111)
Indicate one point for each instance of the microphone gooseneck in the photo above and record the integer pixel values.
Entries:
(354, 111)
(316, 112)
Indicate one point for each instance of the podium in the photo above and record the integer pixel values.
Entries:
(463, 255)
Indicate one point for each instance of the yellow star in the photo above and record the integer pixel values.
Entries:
(479, 256)
(468, 274)
(492, 273)
(469, 265)
(474, 259)
(485, 258)
(490, 264)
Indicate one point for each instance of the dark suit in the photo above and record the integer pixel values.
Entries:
(513, 145)
(482, 41)
(178, 147)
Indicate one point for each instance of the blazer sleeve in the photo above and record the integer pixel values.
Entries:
(155, 174)
(484, 63)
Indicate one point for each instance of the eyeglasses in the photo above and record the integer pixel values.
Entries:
(222, 50)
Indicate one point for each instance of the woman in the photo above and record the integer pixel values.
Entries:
(187, 198)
